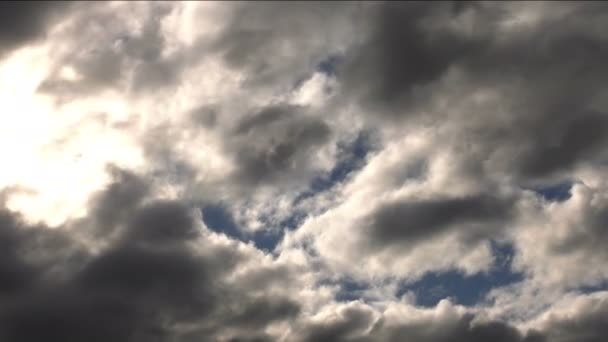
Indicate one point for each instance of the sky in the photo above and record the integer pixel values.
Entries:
(303, 171)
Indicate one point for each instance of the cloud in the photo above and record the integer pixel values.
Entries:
(582, 321)
(565, 235)
(400, 51)
(277, 141)
(161, 272)
(297, 35)
(102, 59)
(413, 221)
(485, 113)
(26, 22)
(410, 50)
(368, 143)
(444, 323)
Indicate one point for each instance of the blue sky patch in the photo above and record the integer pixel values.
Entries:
(220, 220)
(266, 239)
(350, 290)
(353, 156)
(329, 65)
(556, 193)
(462, 289)
(602, 286)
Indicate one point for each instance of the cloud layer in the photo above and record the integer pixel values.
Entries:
(210, 171)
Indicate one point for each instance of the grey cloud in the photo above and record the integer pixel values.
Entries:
(251, 339)
(412, 221)
(153, 70)
(261, 311)
(552, 127)
(273, 146)
(15, 273)
(275, 142)
(205, 115)
(164, 222)
(587, 235)
(265, 117)
(278, 44)
(260, 338)
(116, 203)
(295, 33)
(105, 59)
(587, 324)
(460, 330)
(358, 325)
(147, 282)
(400, 53)
(22, 22)
(353, 322)
(548, 74)
(547, 139)
(30, 253)
(549, 145)
(65, 316)
(173, 281)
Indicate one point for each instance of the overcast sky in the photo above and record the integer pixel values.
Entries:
(304, 171)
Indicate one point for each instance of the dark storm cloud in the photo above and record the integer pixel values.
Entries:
(275, 141)
(413, 221)
(141, 287)
(22, 22)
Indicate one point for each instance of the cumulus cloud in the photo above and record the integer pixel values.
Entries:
(209, 171)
